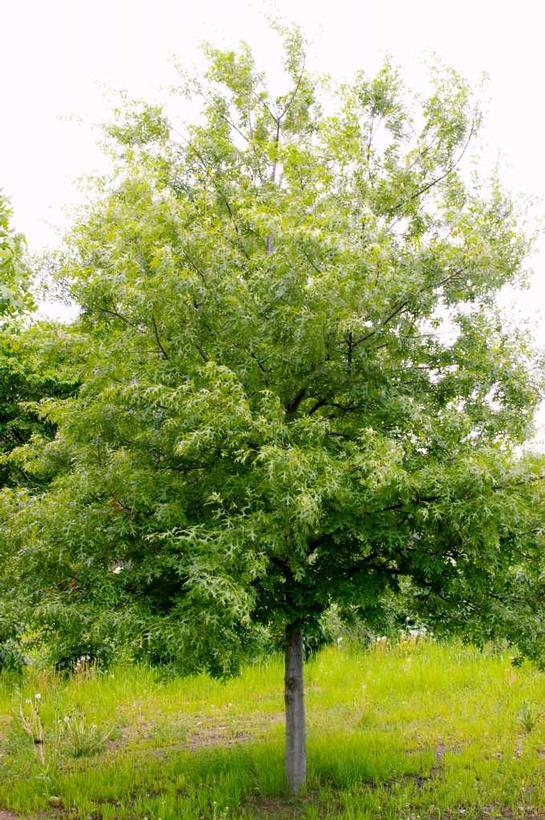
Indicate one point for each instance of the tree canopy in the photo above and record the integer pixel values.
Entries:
(296, 386)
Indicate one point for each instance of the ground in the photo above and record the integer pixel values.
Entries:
(416, 730)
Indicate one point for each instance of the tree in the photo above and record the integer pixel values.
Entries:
(14, 273)
(25, 379)
(296, 388)
(14, 299)
(27, 372)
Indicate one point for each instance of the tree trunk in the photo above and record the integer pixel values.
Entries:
(296, 755)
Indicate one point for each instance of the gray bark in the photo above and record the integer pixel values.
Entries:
(296, 756)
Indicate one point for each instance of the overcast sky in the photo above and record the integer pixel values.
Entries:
(58, 58)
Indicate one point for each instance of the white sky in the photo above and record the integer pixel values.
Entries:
(58, 57)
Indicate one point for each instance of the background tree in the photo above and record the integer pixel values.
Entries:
(14, 298)
(26, 377)
(296, 388)
(14, 273)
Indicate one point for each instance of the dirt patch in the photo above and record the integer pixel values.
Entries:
(522, 813)
(216, 736)
(290, 808)
(208, 732)
(440, 750)
(272, 807)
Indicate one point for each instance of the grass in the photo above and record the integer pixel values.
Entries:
(417, 730)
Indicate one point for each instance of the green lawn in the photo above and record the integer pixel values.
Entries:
(413, 731)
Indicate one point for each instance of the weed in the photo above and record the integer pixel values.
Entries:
(81, 738)
(527, 717)
(32, 725)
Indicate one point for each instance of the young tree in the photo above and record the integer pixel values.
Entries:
(296, 387)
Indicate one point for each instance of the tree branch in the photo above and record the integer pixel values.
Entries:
(295, 90)
(259, 364)
(402, 306)
(201, 352)
(115, 313)
(438, 179)
(292, 406)
(157, 338)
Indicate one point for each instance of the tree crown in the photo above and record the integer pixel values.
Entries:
(296, 387)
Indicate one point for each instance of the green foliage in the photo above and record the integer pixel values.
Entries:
(296, 388)
(26, 377)
(12, 626)
(14, 273)
(28, 370)
(28, 374)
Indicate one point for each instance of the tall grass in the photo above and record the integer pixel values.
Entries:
(417, 730)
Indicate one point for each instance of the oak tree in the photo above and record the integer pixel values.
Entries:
(296, 386)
